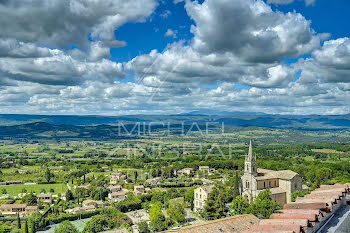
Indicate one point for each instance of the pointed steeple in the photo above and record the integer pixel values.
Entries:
(250, 166)
(250, 155)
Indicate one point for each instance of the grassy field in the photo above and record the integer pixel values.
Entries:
(328, 151)
(13, 190)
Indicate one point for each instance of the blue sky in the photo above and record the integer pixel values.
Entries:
(330, 16)
(117, 57)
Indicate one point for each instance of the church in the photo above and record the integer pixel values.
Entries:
(281, 183)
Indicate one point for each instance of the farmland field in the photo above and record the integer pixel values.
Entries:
(13, 190)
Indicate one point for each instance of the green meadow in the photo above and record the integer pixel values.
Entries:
(13, 190)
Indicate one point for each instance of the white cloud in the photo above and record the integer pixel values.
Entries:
(171, 33)
(62, 23)
(284, 2)
(165, 14)
(234, 60)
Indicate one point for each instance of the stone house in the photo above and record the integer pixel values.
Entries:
(200, 197)
(46, 198)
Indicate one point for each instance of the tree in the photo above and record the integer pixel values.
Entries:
(3, 191)
(214, 207)
(189, 197)
(263, 206)
(237, 184)
(239, 205)
(19, 226)
(35, 221)
(98, 223)
(157, 217)
(143, 227)
(297, 194)
(176, 211)
(69, 195)
(25, 230)
(5, 228)
(66, 227)
(48, 175)
(30, 199)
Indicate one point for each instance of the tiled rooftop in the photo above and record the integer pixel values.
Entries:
(237, 223)
(306, 212)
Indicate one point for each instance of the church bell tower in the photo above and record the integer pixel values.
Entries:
(250, 166)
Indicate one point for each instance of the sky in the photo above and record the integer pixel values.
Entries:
(117, 57)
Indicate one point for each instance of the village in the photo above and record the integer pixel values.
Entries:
(185, 198)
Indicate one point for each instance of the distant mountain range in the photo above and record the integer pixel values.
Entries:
(118, 127)
(241, 119)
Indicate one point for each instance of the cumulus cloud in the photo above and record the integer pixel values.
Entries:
(331, 62)
(234, 60)
(249, 47)
(36, 39)
(251, 30)
(62, 23)
(59, 69)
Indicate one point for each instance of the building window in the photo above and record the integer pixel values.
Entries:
(269, 184)
(264, 184)
(196, 195)
(275, 182)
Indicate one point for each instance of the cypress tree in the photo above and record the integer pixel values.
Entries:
(25, 227)
(19, 221)
(236, 185)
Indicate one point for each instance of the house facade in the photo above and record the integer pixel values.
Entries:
(200, 197)
(22, 209)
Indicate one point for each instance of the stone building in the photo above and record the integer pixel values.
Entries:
(201, 196)
(281, 183)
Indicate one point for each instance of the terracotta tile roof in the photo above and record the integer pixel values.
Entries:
(237, 223)
(300, 211)
(207, 189)
(45, 195)
(306, 212)
(284, 174)
(123, 192)
(299, 222)
(10, 206)
(310, 217)
(277, 190)
(310, 206)
(292, 228)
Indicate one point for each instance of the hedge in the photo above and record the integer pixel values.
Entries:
(72, 217)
